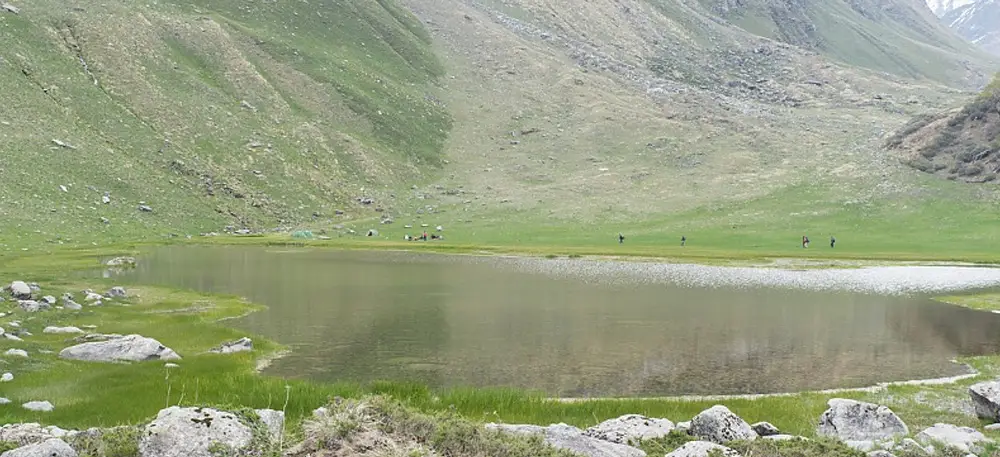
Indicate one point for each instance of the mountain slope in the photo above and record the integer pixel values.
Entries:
(469, 112)
(942, 7)
(900, 37)
(251, 113)
(960, 144)
(978, 22)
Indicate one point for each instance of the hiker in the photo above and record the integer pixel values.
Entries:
(805, 243)
(833, 241)
(683, 240)
(424, 236)
(621, 238)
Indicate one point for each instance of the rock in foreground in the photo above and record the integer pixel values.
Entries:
(964, 439)
(719, 425)
(986, 399)
(562, 436)
(702, 449)
(630, 428)
(38, 406)
(191, 432)
(53, 447)
(131, 348)
(765, 429)
(240, 345)
(19, 290)
(851, 420)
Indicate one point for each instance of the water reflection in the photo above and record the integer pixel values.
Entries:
(368, 316)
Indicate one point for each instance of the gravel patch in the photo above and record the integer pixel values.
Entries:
(881, 280)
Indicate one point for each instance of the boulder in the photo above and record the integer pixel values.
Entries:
(191, 432)
(50, 300)
(40, 406)
(53, 447)
(7, 377)
(851, 420)
(683, 426)
(991, 427)
(121, 261)
(19, 290)
(562, 436)
(273, 420)
(783, 437)
(719, 425)
(964, 439)
(986, 400)
(116, 292)
(765, 429)
(131, 348)
(29, 433)
(72, 305)
(240, 345)
(631, 428)
(12, 337)
(92, 297)
(881, 453)
(31, 306)
(16, 353)
(702, 449)
(51, 329)
(908, 446)
(5, 401)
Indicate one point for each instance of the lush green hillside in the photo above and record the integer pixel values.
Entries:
(496, 118)
(212, 113)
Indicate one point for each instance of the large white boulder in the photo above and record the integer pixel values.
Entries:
(719, 425)
(53, 447)
(131, 348)
(964, 439)
(631, 428)
(562, 436)
(702, 449)
(851, 420)
(192, 432)
(19, 290)
(53, 329)
(986, 400)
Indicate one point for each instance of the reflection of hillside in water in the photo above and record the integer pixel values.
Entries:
(364, 316)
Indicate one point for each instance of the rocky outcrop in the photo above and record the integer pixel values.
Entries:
(116, 292)
(964, 439)
(32, 306)
(562, 436)
(30, 433)
(121, 262)
(241, 345)
(719, 425)
(702, 449)
(986, 400)
(851, 420)
(765, 429)
(273, 420)
(131, 348)
(631, 428)
(191, 432)
(53, 447)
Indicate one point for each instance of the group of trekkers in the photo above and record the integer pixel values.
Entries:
(422, 237)
(805, 240)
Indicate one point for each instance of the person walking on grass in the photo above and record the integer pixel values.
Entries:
(833, 241)
(621, 238)
(684, 240)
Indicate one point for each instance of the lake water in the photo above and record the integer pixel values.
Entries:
(461, 321)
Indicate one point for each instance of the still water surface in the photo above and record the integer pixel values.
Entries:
(451, 321)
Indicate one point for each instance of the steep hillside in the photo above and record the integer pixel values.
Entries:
(960, 144)
(942, 7)
(900, 36)
(474, 113)
(212, 113)
(978, 22)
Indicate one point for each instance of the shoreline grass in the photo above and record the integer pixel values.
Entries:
(92, 394)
